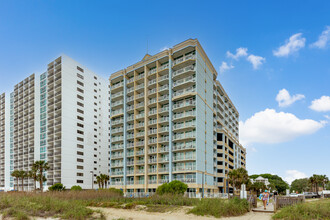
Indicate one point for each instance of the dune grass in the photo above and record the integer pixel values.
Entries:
(310, 210)
(221, 208)
(26, 205)
(75, 204)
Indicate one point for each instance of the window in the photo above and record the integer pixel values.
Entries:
(80, 111)
(80, 97)
(95, 103)
(80, 104)
(80, 146)
(80, 83)
(80, 160)
(80, 139)
(80, 90)
(80, 76)
(80, 118)
(95, 84)
(80, 181)
(80, 153)
(80, 167)
(80, 132)
(95, 90)
(95, 77)
(80, 69)
(80, 174)
(80, 125)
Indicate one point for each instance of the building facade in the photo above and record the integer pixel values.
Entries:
(172, 120)
(62, 117)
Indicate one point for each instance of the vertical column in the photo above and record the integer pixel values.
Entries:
(170, 115)
(146, 140)
(125, 130)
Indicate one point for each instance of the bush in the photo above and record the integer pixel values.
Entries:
(76, 188)
(175, 187)
(310, 210)
(116, 191)
(56, 187)
(221, 208)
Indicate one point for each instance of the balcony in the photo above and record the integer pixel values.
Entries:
(182, 71)
(184, 58)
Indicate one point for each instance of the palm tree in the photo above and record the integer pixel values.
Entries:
(33, 173)
(99, 180)
(41, 166)
(233, 177)
(22, 174)
(16, 175)
(324, 180)
(314, 182)
(237, 177)
(107, 178)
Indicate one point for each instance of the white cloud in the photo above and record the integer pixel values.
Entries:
(291, 175)
(256, 61)
(321, 105)
(224, 67)
(240, 52)
(327, 117)
(284, 98)
(323, 39)
(295, 43)
(271, 127)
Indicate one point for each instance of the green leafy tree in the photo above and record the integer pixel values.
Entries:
(99, 181)
(278, 182)
(16, 175)
(327, 186)
(175, 187)
(257, 187)
(56, 187)
(300, 185)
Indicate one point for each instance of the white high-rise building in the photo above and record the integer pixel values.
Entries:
(61, 117)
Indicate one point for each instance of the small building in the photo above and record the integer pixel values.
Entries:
(261, 179)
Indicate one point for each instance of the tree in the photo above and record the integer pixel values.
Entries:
(16, 175)
(324, 180)
(300, 185)
(41, 166)
(237, 177)
(257, 187)
(33, 173)
(22, 174)
(175, 187)
(327, 186)
(278, 182)
(99, 180)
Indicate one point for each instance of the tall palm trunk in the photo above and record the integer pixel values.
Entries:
(17, 188)
(22, 178)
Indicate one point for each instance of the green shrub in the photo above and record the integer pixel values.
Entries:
(175, 187)
(221, 207)
(56, 187)
(311, 210)
(116, 191)
(76, 188)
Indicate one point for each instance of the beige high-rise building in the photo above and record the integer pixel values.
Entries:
(172, 120)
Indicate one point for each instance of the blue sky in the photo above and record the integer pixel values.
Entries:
(109, 35)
